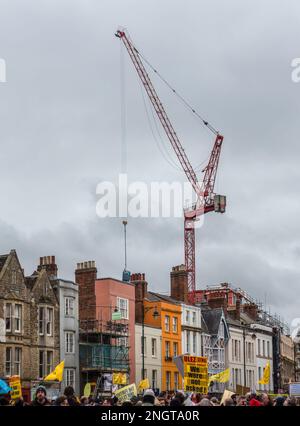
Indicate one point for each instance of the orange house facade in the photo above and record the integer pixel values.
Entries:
(169, 320)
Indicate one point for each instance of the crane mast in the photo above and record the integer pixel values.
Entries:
(206, 199)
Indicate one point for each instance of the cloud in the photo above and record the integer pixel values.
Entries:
(61, 134)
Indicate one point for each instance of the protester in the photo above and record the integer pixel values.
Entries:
(205, 402)
(70, 395)
(266, 400)
(84, 400)
(40, 397)
(228, 402)
(196, 398)
(148, 398)
(214, 401)
(279, 401)
(290, 402)
(61, 401)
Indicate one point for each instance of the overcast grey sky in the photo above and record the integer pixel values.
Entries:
(61, 135)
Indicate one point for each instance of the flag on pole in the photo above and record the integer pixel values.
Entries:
(4, 388)
(119, 379)
(221, 377)
(57, 374)
(266, 376)
(144, 384)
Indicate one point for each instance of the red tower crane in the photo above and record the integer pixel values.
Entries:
(207, 200)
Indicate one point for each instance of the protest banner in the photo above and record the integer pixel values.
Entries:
(227, 394)
(16, 389)
(195, 374)
(126, 393)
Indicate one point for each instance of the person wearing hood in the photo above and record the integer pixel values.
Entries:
(148, 398)
(40, 397)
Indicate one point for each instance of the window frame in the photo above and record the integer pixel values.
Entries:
(68, 372)
(175, 324)
(154, 347)
(48, 366)
(69, 343)
(69, 306)
(8, 349)
(167, 323)
(18, 361)
(41, 320)
(124, 311)
(8, 318)
(49, 320)
(18, 319)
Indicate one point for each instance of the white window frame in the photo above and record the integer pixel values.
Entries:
(124, 310)
(194, 342)
(69, 342)
(18, 361)
(8, 316)
(167, 323)
(168, 345)
(188, 341)
(168, 380)
(69, 306)
(70, 377)
(48, 366)
(41, 320)
(17, 318)
(49, 321)
(154, 379)
(8, 362)
(154, 347)
(175, 324)
(175, 345)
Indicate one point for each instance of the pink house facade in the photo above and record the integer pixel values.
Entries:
(107, 325)
(121, 295)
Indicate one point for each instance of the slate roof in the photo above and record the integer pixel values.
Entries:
(212, 318)
(30, 281)
(156, 297)
(3, 259)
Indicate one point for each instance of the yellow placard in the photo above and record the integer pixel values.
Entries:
(126, 393)
(195, 374)
(15, 384)
(87, 389)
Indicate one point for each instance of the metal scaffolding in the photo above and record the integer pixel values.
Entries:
(103, 349)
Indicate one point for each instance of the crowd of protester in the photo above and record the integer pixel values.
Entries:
(172, 399)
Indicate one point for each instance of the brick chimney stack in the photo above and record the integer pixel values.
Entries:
(179, 283)
(251, 310)
(141, 291)
(218, 301)
(85, 277)
(48, 263)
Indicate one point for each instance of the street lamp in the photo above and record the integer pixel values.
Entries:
(155, 315)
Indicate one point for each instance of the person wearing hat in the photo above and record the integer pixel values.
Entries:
(148, 398)
(40, 397)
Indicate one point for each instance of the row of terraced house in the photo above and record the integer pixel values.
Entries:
(99, 326)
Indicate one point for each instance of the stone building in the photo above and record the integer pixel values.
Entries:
(29, 323)
(287, 361)
(15, 324)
